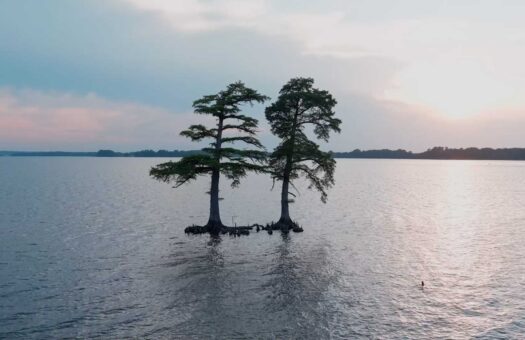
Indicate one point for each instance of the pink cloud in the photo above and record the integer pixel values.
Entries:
(48, 120)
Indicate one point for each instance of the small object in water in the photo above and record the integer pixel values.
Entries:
(422, 284)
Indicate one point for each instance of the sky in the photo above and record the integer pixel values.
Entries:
(122, 74)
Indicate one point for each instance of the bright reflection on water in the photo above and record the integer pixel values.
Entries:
(94, 248)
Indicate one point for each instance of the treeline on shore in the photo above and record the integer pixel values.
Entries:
(439, 152)
(433, 153)
(101, 153)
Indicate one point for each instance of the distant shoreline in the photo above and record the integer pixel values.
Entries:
(433, 153)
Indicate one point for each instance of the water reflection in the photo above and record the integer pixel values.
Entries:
(281, 293)
(93, 248)
(297, 288)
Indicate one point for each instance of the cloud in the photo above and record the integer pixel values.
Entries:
(123, 74)
(199, 16)
(378, 123)
(459, 64)
(49, 120)
(36, 120)
(125, 54)
(337, 29)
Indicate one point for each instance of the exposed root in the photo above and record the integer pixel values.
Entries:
(285, 226)
(237, 231)
(222, 229)
(196, 229)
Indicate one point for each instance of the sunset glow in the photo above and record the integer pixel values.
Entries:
(443, 68)
(456, 89)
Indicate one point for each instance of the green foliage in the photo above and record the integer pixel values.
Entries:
(298, 107)
(187, 169)
(232, 162)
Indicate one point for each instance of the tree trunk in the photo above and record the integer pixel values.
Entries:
(285, 222)
(285, 212)
(214, 222)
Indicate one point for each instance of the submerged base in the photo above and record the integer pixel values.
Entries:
(283, 226)
(221, 229)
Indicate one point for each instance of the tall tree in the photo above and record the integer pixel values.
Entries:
(298, 107)
(221, 157)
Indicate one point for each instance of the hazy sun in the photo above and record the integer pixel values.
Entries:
(456, 89)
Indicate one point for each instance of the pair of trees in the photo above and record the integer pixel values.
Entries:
(298, 106)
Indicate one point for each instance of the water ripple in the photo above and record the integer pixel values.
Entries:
(92, 248)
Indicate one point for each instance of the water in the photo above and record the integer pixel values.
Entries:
(92, 248)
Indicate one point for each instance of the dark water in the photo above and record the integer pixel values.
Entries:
(94, 248)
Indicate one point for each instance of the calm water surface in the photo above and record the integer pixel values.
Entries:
(92, 247)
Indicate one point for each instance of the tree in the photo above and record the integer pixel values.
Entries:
(232, 127)
(298, 107)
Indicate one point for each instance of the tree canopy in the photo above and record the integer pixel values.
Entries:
(222, 156)
(301, 106)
